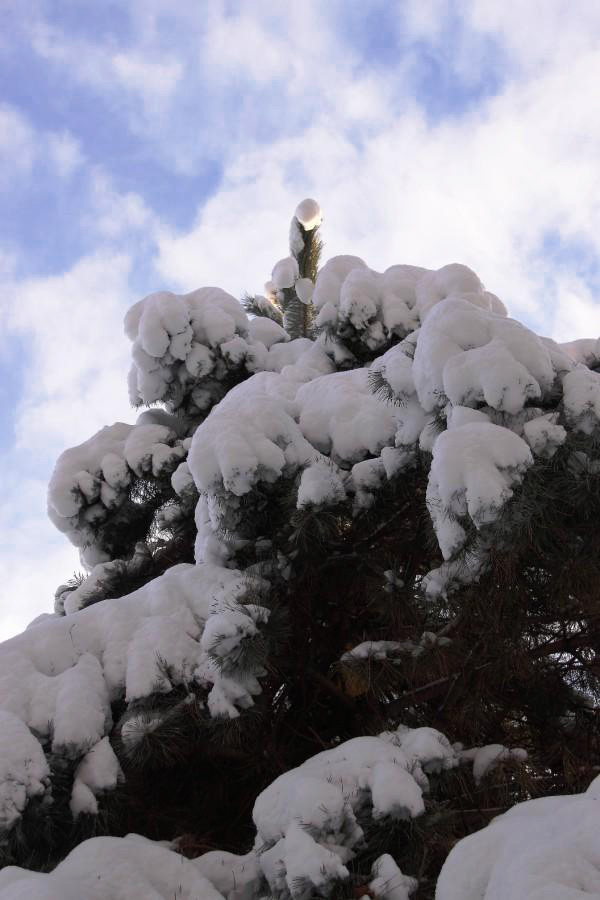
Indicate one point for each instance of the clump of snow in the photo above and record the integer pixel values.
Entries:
(236, 877)
(544, 435)
(470, 355)
(581, 399)
(24, 772)
(375, 305)
(304, 288)
(320, 484)
(584, 350)
(489, 757)
(90, 483)
(285, 273)
(377, 650)
(57, 680)
(250, 436)
(544, 848)
(328, 285)
(306, 820)
(341, 417)
(454, 280)
(473, 473)
(308, 213)
(180, 346)
(388, 882)
(467, 568)
(104, 868)
(98, 771)
(267, 331)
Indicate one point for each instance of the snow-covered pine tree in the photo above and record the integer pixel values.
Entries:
(341, 607)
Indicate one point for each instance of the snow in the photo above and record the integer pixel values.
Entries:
(540, 849)
(470, 355)
(267, 331)
(544, 435)
(57, 680)
(585, 350)
(326, 297)
(24, 772)
(377, 305)
(304, 288)
(376, 650)
(473, 472)
(320, 484)
(250, 436)
(308, 213)
(388, 881)
(90, 483)
(236, 877)
(581, 399)
(454, 279)
(140, 446)
(487, 758)
(177, 341)
(78, 465)
(306, 819)
(340, 416)
(107, 868)
(98, 771)
(285, 273)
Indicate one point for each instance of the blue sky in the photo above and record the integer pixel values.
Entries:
(166, 143)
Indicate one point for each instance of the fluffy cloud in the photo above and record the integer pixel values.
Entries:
(74, 359)
(17, 148)
(70, 327)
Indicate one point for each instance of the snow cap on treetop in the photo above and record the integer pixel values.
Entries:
(308, 213)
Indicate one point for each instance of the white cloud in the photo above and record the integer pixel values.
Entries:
(22, 147)
(112, 214)
(535, 35)
(577, 313)
(33, 560)
(65, 152)
(17, 144)
(144, 81)
(71, 328)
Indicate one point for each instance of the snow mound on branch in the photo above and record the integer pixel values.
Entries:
(350, 297)
(250, 436)
(104, 868)
(98, 771)
(306, 820)
(389, 883)
(24, 772)
(584, 350)
(57, 680)
(90, 483)
(341, 417)
(285, 273)
(581, 399)
(473, 472)
(454, 280)
(489, 757)
(185, 346)
(376, 305)
(320, 484)
(540, 849)
(470, 355)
